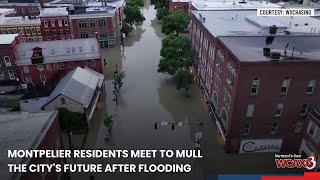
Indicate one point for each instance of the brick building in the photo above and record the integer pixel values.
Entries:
(8, 44)
(29, 27)
(100, 22)
(23, 9)
(7, 12)
(310, 144)
(30, 131)
(181, 5)
(226, 76)
(51, 60)
(55, 24)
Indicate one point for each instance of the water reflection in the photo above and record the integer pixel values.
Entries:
(156, 24)
(134, 36)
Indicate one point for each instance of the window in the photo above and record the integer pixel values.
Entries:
(53, 23)
(279, 110)
(92, 24)
(35, 39)
(85, 63)
(93, 63)
(274, 128)
(227, 99)
(26, 69)
(73, 50)
(43, 78)
(304, 109)
(80, 49)
(9, 31)
(84, 35)
(11, 75)
(285, 86)
(67, 31)
(111, 43)
(38, 31)
(45, 23)
(215, 100)
(55, 66)
(28, 79)
(230, 75)
(220, 59)
(82, 25)
(254, 86)
(250, 110)
(92, 48)
(63, 101)
(66, 23)
(33, 30)
(1, 76)
(224, 118)
(102, 22)
(60, 22)
(23, 39)
(54, 33)
(27, 30)
(311, 85)
(3, 31)
(39, 38)
(15, 31)
(246, 128)
(62, 32)
(314, 132)
(21, 30)
(48, 67)
(217, 82)
(71, 64)
(29, 39)
(61, 65)
(48, 33)
(298, 127)
(40, 67)
(7, 61)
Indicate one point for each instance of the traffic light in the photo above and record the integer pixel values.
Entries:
(172, 126)
(155, 126)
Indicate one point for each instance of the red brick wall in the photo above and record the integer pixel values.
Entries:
(315, 118)
(54, 75)
(48, 142)
(176, 6)
(56, 28)
(31, 10)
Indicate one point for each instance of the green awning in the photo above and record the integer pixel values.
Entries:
(103, 39)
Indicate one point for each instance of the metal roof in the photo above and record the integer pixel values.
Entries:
(19, 21)
(100, 76)
(78, 85)
(21, 131)
(51, 12)
(231, 4)
(7, 38)
(60, 51)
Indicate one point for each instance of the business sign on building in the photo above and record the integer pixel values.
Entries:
(263, 145)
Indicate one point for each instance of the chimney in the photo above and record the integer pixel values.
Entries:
(41, 3)
(273, 29)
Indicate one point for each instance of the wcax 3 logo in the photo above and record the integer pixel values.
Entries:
(294, 162)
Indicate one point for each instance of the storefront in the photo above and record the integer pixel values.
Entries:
(106, 42)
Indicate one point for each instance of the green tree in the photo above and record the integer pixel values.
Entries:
(126, 28)
(139, 3)
(176, 22)
(176, 52)
(133, 15)
(183, 79)
(161, 13)
(119, 79)
(160, 4)
(108, 120)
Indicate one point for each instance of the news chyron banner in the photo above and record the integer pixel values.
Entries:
(305, 176)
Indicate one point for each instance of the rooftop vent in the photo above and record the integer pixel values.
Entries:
(242, 2)
(275, 56)
(266, 52)
(273, 29)
(306, 24)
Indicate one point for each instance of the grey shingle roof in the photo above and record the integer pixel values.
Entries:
(78, 85)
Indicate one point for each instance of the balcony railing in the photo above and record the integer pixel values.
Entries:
(37, 60)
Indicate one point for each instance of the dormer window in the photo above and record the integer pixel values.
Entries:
(52, 51)
(36, 57)
(23, 54)
(92, 48)
(68, 50)
(80, 49)
(73, 49)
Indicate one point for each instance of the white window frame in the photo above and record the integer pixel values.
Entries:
(246, 130)
(316, 133)
(312, 84)
(55, 66)
(45, 23)
(7, 61)
(230, 75)
(48, 66)
(298, 127)
(276, 128)
(26, 69)
(279, 106)
(304, 109)
(29, 79)
(11, 75)
(43, 78)
(59, 22)
(61, 65)
(285, 84)
(227, 99)
(250, 110)
(2, 77)
(53, 23)
(40, 67)
(66, 23)
(255, 85)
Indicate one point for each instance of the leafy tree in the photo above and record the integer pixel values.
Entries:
(160, 4)
(133, 14)
(176, 53)
(161, 13)
(119, 79)
(175, 23)
(126, 28)
(183, 79)
(139, 3)
(108, 120)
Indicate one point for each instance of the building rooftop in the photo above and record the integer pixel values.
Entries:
(32, 105)
(7, 38)
(250, 49)
(241, 23)
(50, 12)
(59, 51)
(21, 131)
(9, 21)
(4, 11)
(95, 12)
(230, 5)
(112, 3)
(181, 0)
(78, 85)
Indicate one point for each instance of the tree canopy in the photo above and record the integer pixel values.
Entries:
(183, 79)
(176, 22)
(176, 53)
(139, 3)
(161, 13)
(160, 4)
(126, 28)
(133, 14)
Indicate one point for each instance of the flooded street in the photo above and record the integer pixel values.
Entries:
(148, 97)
